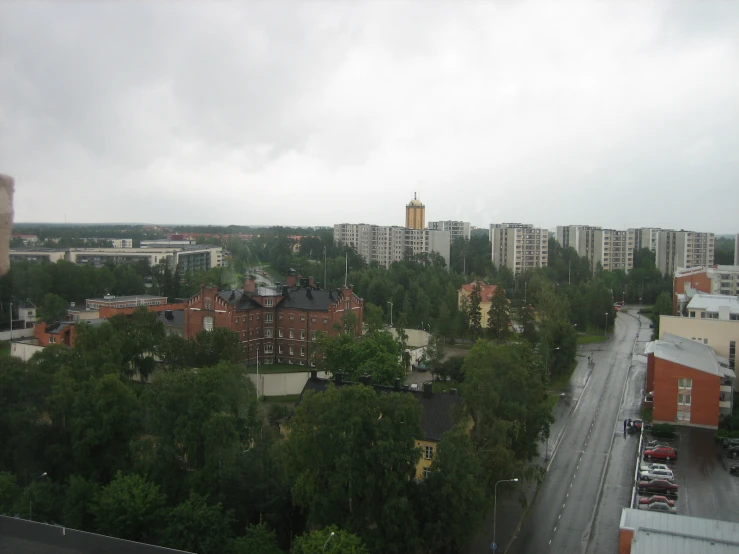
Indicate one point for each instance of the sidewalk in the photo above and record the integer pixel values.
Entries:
(513, 500)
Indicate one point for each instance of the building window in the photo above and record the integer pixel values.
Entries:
(52, 340)
(243, 319)
(279, 348)
(313, 335)
(251, 318)
(292, 334)
(302, 334)
(426, 472)
(683, 399)
(279, 333)
(313, 319)
(269, 302)
(732, 353)
(703, 315)
(685, 383)
(302, 351)
(692, 313)
(268, 349)
(292, 317)
(683, 415)
(429, 453)
(292, 350)
(250, 332)
(258, 317)
(208, 323)
(281, 315)
(268, 333)
(236, 321)
(208, 304)
(325, 320)
(243, 334)
(268, 318)
(302, 318)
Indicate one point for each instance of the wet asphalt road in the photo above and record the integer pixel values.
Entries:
(562, 516)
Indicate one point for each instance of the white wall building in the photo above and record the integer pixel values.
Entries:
(455, 228)
(518, 246)
(388, 244)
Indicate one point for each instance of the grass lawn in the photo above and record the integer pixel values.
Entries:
(4, 349)
(590, 338)
(278, 368)
(646, 414)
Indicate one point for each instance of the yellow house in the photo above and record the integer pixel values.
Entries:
(486, 297)
(439, 413)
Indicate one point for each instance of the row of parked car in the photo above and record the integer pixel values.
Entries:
(731, 449)
(657, 488)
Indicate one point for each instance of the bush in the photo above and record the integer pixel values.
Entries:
(664, 430)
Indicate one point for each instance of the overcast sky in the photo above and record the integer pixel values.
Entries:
(617, 114)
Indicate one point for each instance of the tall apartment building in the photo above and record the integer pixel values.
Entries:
(388, 244)
(518, 246)
(455, 228)
(645, 237)
(610, 248)
(415, 214)
(685, 249)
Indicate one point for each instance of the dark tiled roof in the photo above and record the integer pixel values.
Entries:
(308, 299)
(440, 411)
(177, 318)
(20, 536)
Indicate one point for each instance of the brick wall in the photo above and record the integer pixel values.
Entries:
(704, 407)
(699, 281)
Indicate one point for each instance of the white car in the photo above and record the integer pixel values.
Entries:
(651, 466)
(658, 473)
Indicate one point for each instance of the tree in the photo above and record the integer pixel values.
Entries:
(53, 308)
(475, 313)
(78, 500)
(374, 318)
(505, 392)
(9, 491)
(527, 322)
(558, 346)
(331, 540)
(663, 306)
(499, 318)
(175, 352)
(211, 347)
(196, 526)
(453, 495)
(333, 478)
(258, 539)
(129, 507)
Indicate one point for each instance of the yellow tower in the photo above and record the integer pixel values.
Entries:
(415, 214)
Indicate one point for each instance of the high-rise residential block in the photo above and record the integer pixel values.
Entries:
(568, 235)
(519, 247)
(645, 237)
(611, 248)
(415, 214)
(684, 249)
(388, 244)
(456, 229)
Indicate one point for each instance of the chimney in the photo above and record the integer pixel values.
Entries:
(397, 383)
(314, 375)
(339, 378)
(312, 283)
(291, 279)
(304, 282)
(428, 390)
(365, 379)
(250, 284)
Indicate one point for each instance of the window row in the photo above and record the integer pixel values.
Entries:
(269, 318)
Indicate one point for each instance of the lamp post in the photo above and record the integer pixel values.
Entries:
(546, 359)
(495, 505)
(605, 331)
(391, 312)
(331, 536)
(30, 503)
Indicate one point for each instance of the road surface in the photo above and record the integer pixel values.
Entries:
(562, 516)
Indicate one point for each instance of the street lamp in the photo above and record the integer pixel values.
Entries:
(605, 331)
(391, 312)
(30, 504)
(331, 536)
(495, 505)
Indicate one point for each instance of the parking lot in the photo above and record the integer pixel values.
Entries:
(706, 488)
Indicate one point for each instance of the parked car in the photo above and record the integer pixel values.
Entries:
(657, 474)
(659, 486)
(734, 469)
(653, 465)
(733, 451)
(656, 498)
(728, 443)
(658, 507)
(662, 453)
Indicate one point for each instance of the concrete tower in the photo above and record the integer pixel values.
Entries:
(415, 214)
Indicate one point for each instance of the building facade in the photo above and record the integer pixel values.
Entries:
(456, 229)
(611, 248)
(690, 383)
(415, 214)
(683, 249)
(274, 324)
(385, 245)
(519, 247)
(687, 282)
(645, 237)
(486, 297)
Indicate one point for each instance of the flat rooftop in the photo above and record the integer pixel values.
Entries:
(689, 353)
(714, 302)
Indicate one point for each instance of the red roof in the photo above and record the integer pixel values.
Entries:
(486, 291)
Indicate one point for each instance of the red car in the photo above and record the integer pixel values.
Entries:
(659, 486)
(661, 453)
(656, 498)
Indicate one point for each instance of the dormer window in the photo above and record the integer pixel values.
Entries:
(269, 302)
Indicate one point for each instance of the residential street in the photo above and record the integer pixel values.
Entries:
(562, 516)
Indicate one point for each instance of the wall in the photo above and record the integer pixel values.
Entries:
(625, 536)
(416, 337)
(718, 332)
(704, 409)
(17, 334)
(282, 384)
(24, 350)
(698, 281)
(107, 311)
(423, 463)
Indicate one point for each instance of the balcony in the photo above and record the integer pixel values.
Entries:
(725, 389)
(724, 406)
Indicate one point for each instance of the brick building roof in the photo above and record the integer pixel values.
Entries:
(486, 291)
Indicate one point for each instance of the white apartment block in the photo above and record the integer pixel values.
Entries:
(519, 247)
(684, 249)
(388, 244)
(455, 228)
(645, 237)
(611, 248)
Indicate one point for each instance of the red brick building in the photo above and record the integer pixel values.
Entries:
(686, 283)
(691, 385)
(276, 324)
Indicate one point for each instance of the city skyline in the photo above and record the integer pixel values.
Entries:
(605, 114)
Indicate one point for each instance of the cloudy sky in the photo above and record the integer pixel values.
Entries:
(617, 114)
